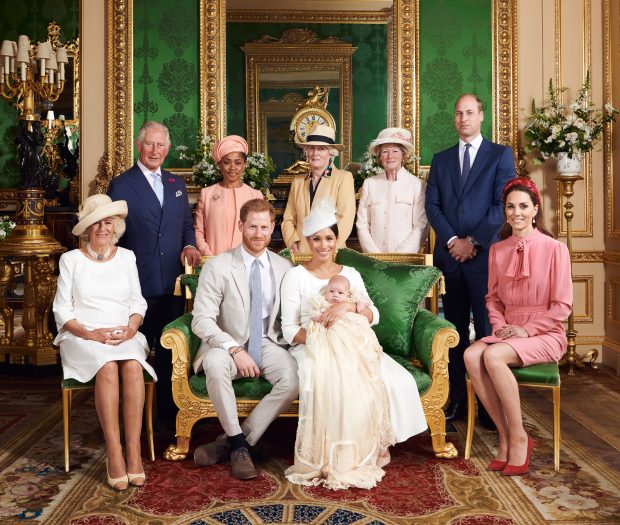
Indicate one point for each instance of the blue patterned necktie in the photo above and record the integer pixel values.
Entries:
(255, 343)
(466, 165)
(158, 187)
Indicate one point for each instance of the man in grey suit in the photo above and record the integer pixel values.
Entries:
(237, 316)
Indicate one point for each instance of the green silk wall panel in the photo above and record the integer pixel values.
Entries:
(369, 65)
(456, 56)
(18, 17)
(166, 70)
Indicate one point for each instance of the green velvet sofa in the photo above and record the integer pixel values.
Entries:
(413, 336)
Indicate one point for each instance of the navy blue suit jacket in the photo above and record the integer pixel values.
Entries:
(156, 234)
(476, 209)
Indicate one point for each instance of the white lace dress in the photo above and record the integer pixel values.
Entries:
(333, 399)
(98, 295)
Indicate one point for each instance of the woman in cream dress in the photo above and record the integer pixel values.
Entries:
(391, 216)
(320, 456)
(98, 309)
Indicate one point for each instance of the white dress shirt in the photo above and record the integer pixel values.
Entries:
(147, 173)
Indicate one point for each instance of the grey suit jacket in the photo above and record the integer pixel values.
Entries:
(222, 303)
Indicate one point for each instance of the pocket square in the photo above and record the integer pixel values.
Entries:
(178, 193)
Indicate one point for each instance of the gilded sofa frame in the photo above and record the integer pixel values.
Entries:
(192, 408)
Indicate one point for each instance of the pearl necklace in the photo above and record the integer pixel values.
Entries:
(98, 256)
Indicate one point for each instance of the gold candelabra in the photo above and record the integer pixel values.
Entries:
(571, 357)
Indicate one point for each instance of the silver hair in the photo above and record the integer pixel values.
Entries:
(119, 229)
(333, 152)
(152, 124)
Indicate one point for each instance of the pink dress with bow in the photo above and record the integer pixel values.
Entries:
(530, 285)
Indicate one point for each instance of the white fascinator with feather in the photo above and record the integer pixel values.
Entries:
(322, 215)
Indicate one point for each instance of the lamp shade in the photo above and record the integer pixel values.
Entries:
(23, 41)
(52, 64)
(6, 50)
(43, 51)
(14, 44)
(61, 56)
(22, 55)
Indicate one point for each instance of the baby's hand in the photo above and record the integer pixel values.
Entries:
(360, 306)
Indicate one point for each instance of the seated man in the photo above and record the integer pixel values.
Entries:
(237, 317)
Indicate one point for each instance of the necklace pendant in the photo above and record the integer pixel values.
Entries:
(99, 257)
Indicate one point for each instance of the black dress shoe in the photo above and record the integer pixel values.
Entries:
(456, 410)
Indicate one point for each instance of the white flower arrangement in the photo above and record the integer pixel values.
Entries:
(6, 227)
(574, 128)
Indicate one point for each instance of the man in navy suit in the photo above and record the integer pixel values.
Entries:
(464, 207)
(160, 232)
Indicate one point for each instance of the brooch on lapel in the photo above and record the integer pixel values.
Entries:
(215, 196)
(178, 193)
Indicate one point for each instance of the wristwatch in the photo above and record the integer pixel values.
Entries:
(474, 243)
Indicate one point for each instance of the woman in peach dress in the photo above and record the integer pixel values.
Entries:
(217, 211)
(530, 293)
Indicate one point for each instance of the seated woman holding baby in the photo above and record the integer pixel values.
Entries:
(355, 401)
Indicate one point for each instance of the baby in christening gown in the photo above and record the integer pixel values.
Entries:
(344, 426)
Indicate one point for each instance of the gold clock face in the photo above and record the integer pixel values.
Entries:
(307, 118)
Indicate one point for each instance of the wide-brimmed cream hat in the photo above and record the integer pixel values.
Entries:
(400, 136)
(321, 135)
(95, 208)
(321, 216)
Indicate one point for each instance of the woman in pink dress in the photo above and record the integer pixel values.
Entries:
(530, 293)
(217, 211)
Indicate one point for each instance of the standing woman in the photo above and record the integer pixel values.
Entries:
(323, 181)
(391, 216)
(217, 211)
(530, 293)
(98, 309)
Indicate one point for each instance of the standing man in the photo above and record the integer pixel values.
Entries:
(237, 317)
(160, 232)
(464, 207)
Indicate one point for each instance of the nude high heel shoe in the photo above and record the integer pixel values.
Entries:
(137, 480)
(121, 483)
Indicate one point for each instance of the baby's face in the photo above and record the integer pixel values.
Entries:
(337, 292)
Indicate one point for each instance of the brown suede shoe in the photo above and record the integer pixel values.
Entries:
(242, 466)
(212, 453)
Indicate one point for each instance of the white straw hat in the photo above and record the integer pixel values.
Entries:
(95, 208)
(321, 216)
(321, 135)
(400, 136)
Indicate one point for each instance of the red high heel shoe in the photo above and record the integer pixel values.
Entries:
(496, 465)
(517, 470)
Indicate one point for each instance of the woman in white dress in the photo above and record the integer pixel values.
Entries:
(98, 309)
(319, 454)
(391, 216)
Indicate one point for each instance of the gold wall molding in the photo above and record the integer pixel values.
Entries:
(612, 257)
(403, 60)
(611, 57)
(588, 298)
(590, 340)
(594, 256)
(212, 52)
(505, 70)
(613, 302)
(309, 17)
(119, 89)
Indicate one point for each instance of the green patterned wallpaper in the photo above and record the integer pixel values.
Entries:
(166, 69)
(18, 17)
(369, 73)
(456, 56)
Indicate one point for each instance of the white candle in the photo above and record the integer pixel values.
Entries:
(51, 76)
(50, 119)
(62, 71)
(22, 71)
(12, 65)
(42, 68)
(7, 62)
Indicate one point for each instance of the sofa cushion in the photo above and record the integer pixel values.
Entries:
(248, 387)
(422, 379)
(397, 289)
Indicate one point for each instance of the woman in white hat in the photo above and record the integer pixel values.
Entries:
(323, 181)
(98, 309)
(329, 444)
(391, 216)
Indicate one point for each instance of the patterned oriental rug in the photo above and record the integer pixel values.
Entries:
(417, 488)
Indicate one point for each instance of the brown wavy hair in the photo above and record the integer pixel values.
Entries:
(526, 186)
